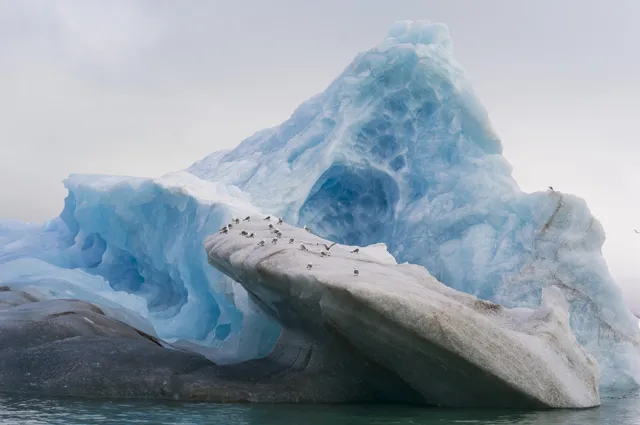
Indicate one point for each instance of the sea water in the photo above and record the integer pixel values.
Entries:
(624, 410)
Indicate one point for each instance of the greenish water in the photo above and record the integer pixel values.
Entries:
(37, 411)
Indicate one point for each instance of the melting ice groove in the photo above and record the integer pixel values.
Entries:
(397, 150)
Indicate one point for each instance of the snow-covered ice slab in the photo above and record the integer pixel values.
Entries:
(451, 347)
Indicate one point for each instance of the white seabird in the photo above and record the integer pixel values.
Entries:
(551, 188)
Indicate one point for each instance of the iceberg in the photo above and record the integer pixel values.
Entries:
(397, 150)
(400, 317)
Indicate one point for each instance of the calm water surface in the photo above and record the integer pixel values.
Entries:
(36, 411)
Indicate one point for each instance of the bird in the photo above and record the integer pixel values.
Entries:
(302, 247)
(244, 233)
(230, 226)
(270, 226)
(329, 247)
(225, 230)
(324, 253)
(247, 218)
(237, 220)
(635, 231)
(233, 219)
(306, 228)
(309, 265)
(274, 240)
(280, 220)
(355, 251)
(551, 188)
(261, 243)
(356, 272)
(267, 218)
(251, 234)
(291, 240)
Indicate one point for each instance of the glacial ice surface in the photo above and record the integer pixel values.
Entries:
(401, 318)
(397, 150)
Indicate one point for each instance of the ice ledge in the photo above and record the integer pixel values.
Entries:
(452, 348)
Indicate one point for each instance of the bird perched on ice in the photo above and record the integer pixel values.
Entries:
(274, 240)
(237, 220)
(309, 265)
(306, 228)
(551, 188)
(270, 226)
(329, 247)
(251, 235)
(244, 233)
(230, 226)
(247, 218)
(280, 220)
(324, 253)
(302, 247)
(291, 240)
(356, 272)
(261, 243)
(267, 218)
(355, 251)
(635, 231)
(224, 230)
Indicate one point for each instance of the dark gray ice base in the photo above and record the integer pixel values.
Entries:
(72, 348)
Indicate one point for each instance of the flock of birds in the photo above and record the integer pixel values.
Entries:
(278, 235)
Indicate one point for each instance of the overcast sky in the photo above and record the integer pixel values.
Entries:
(148, 87)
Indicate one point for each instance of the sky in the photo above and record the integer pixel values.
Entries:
(146, 87)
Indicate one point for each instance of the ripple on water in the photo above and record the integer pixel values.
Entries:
(68, 411)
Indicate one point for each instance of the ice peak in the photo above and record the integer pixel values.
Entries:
(419, 32)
